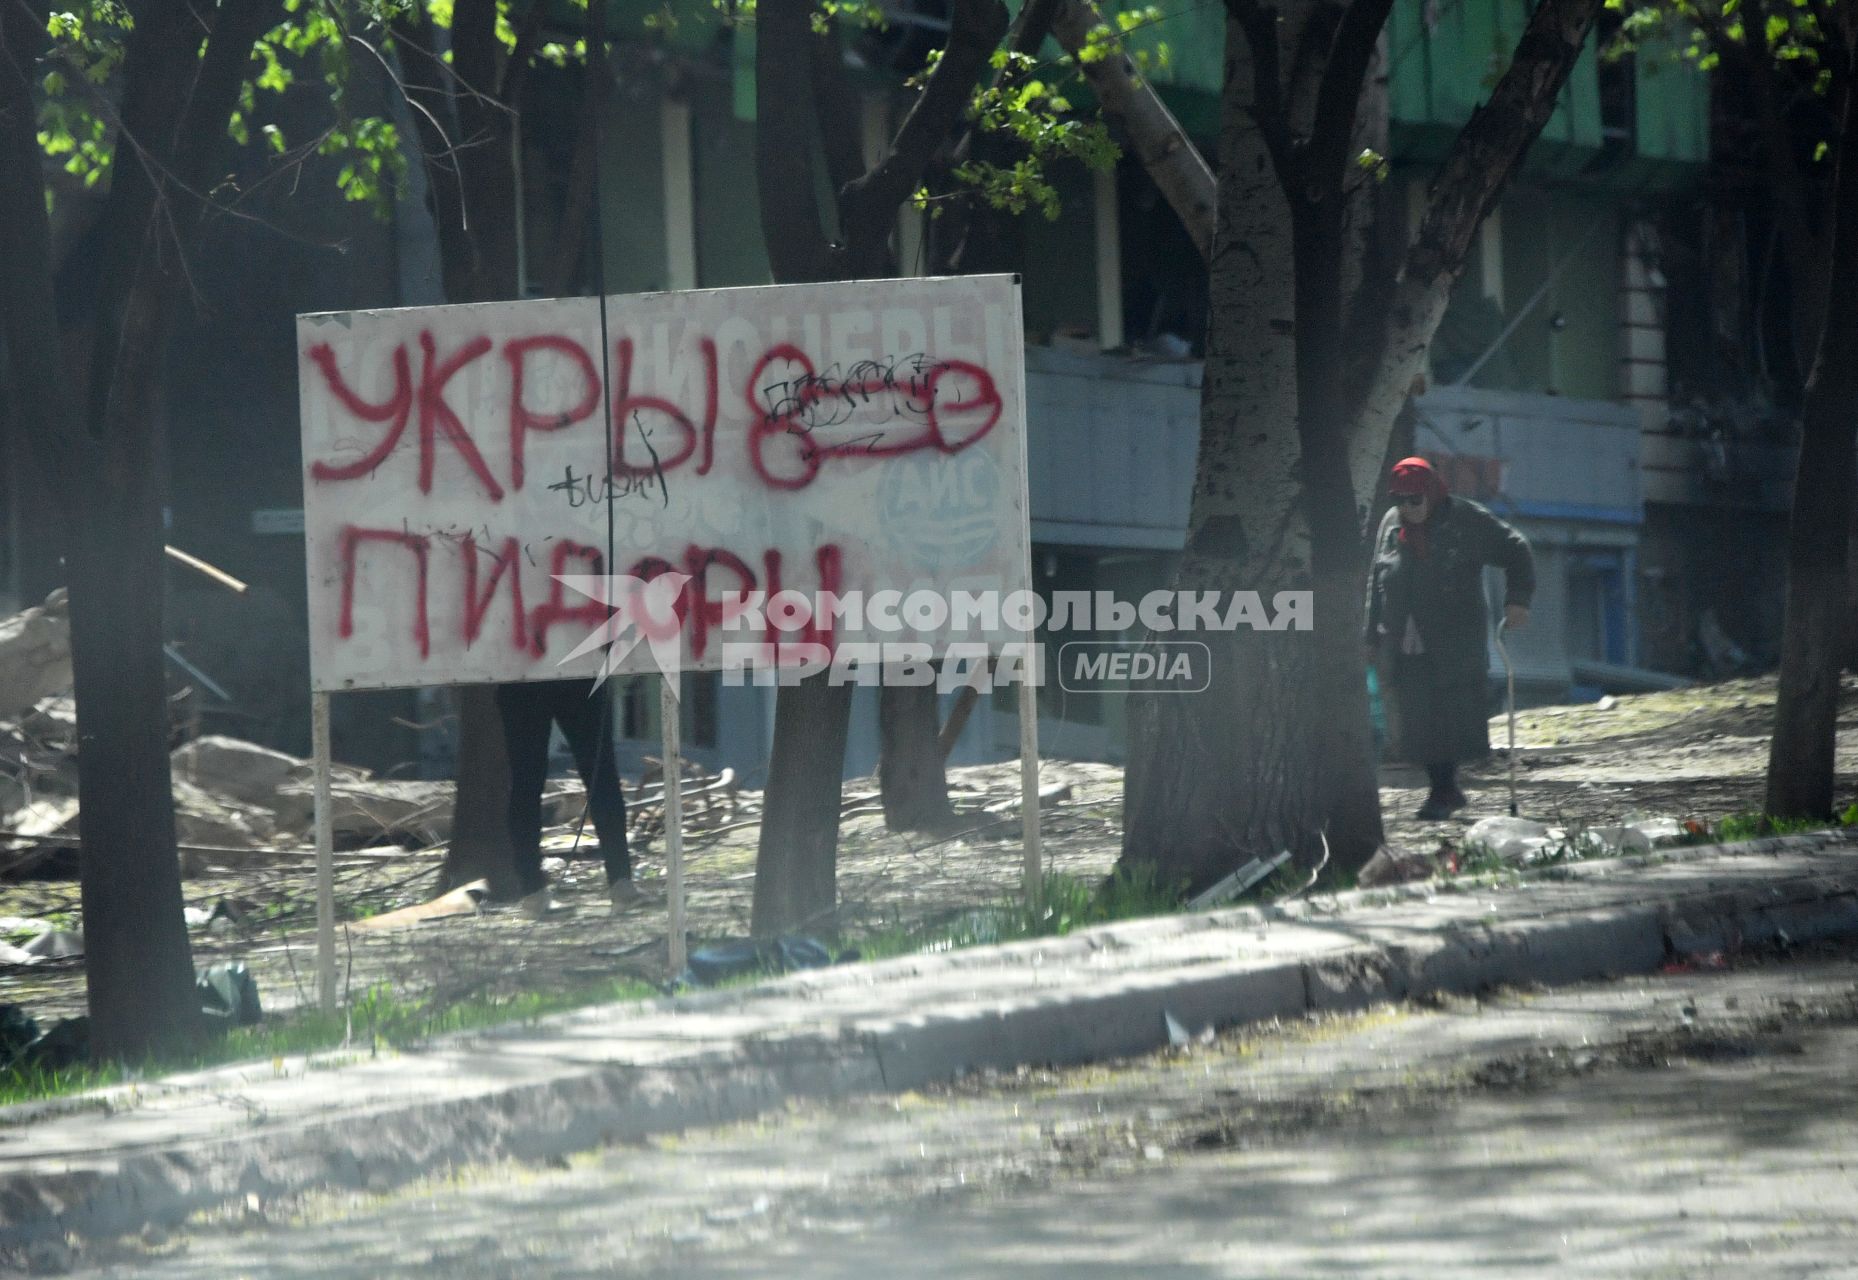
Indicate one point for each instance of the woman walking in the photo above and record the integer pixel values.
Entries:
(1428, 628)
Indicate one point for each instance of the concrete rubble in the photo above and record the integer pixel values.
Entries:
(230, 796)
(234, 798)
(35, 656)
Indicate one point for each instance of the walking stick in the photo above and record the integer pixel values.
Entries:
(1509, 682)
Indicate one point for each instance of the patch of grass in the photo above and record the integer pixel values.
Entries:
(384, 1018)
(1478, 858)
(1067, 903)
(36, 1083)
(377, 1019)
(1754, 826)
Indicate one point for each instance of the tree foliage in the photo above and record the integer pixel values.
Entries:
(1029, 101)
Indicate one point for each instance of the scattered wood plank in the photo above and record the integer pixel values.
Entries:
(462, 901)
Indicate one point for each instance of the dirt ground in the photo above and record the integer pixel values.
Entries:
(1698, 752)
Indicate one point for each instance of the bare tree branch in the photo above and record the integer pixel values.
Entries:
(29, 320)
(1487, 150)
(784, 123)
(1156, 137)
(581, 206)
(516, 64)
(1390, 330)
(173, 115)
(975, 31)
(475, 52)
(428, 125)
(423, 84)
(1339, 96)
(415, 21)
(222, 70)
(838, 111)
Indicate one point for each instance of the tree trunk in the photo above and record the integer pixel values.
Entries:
(797, 861)
(1351, 804)
(1848, 646)
(909, 771)
(1801, 755)
(473, 193)
(1301, 392)
(796, 864)
(957, 721)
(138, 965)
(480, 843)
(98, 450)
(797, 852)
(1230, 773)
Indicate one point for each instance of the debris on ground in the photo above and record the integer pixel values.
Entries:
(228, 998)
(231, 767)
(229, 995)
(35, 655)
(1522, 840)
(235, 799)
(1235, 884)
(1395, 866)
(710, 801)
(743, 957)
(1700, 753)
(462, 901)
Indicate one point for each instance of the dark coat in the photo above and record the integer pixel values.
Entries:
(1439, 698)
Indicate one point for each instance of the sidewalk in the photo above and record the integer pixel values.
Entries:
(153, 1153)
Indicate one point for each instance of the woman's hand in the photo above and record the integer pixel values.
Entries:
(1515, 617)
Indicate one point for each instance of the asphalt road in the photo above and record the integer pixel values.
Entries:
(1692, 1124)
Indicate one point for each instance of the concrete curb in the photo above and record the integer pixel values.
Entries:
(157, 1154)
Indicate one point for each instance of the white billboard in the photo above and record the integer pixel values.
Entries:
(844, 438)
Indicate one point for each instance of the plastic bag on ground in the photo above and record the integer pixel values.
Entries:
(228, 995)
(1512, 839)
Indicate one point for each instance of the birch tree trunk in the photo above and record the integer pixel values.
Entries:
(1316, 342)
